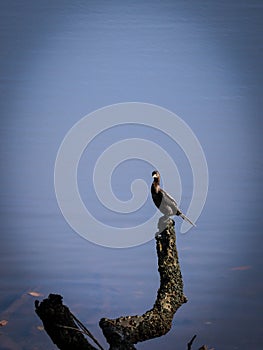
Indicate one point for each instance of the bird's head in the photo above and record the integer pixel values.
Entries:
(156, 176)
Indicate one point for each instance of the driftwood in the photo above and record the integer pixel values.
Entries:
(122, 333)
(60, 325)
(129, 330)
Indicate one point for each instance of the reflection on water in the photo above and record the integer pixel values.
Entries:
(62, 61)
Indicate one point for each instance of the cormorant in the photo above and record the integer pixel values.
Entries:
(163, 201)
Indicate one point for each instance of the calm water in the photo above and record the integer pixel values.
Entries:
(202, 60)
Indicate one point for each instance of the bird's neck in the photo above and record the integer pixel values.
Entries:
(156, 186)
(156, 181)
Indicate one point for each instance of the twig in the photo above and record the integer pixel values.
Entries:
(189, 345)
(86, 331)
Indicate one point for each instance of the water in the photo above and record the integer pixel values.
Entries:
(61, 61)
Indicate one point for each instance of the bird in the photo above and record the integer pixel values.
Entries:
(163, 201)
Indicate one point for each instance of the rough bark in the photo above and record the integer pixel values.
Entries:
(123, 332)
(58, 323)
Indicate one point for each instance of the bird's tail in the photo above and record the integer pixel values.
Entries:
(186, 219)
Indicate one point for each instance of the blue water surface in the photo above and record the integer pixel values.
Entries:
(61, 60)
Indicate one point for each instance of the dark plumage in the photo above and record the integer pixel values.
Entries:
(163, 201)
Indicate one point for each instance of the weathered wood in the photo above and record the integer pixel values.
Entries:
(60, 325)
(128, 330)
(122, 333)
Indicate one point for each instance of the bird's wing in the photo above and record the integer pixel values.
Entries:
(169, 200)
(172, 203)
(168, 196)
